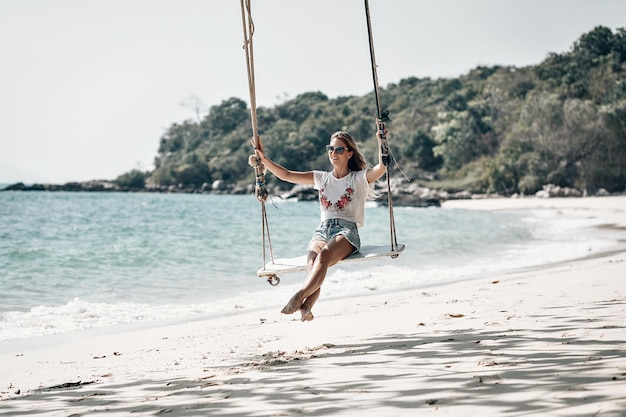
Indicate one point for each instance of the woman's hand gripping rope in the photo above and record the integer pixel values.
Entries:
(381, 134)
(259, 169)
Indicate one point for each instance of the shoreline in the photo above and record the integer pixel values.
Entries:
(534, 341)
(404, 194)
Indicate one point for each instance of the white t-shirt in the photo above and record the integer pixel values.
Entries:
(342, 198)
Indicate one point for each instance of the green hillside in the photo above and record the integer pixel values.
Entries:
(496, 129)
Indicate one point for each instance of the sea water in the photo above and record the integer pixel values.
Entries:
(78, 261)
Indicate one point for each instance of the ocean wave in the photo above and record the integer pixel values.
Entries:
(150, 258)
(78, 315)
(343, 281)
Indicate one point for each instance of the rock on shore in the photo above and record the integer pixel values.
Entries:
(403, 194)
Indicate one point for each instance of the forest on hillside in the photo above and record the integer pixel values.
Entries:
(496, 129)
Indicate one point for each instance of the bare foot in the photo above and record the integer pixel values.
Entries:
(293, 305)
(307, 315)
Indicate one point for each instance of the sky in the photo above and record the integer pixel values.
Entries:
(87, 88)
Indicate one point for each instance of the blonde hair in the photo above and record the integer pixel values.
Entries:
(357, 162)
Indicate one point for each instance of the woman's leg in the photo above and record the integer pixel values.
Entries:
(305, 309)
(314, 249)
(331, 253)
(307, 306)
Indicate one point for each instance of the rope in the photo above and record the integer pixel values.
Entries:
(255, 160)
(382, 117)
(248, 32)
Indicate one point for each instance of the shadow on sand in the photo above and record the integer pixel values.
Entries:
(562, 368)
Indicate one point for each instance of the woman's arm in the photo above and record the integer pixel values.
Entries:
(380, 168)
(294, 177)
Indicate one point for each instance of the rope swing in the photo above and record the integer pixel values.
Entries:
(381, 118)
(261, 192)
(255, 160)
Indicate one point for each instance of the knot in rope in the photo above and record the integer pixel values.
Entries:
(260, 192)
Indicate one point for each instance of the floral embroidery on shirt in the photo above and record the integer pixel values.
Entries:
(341, 203)
(324, 201)
(345, 199)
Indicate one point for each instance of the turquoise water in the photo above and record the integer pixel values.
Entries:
(75, 261)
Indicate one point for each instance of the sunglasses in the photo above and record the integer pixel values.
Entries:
(338, 149)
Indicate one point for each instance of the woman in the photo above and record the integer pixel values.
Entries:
(342, 195)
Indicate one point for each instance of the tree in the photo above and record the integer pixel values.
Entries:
(228, 116)
(502, 129)
(300, 108)
(134, 179)
(192, 175)
(595, 44)
(419, 148)
(462, 136)
(196, 105)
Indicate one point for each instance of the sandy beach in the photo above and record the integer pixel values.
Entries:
(544, 341)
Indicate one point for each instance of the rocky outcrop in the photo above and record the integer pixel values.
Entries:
(551, 190)
(403, 193)
(95, 185)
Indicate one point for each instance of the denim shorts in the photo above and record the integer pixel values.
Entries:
(331, 228)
